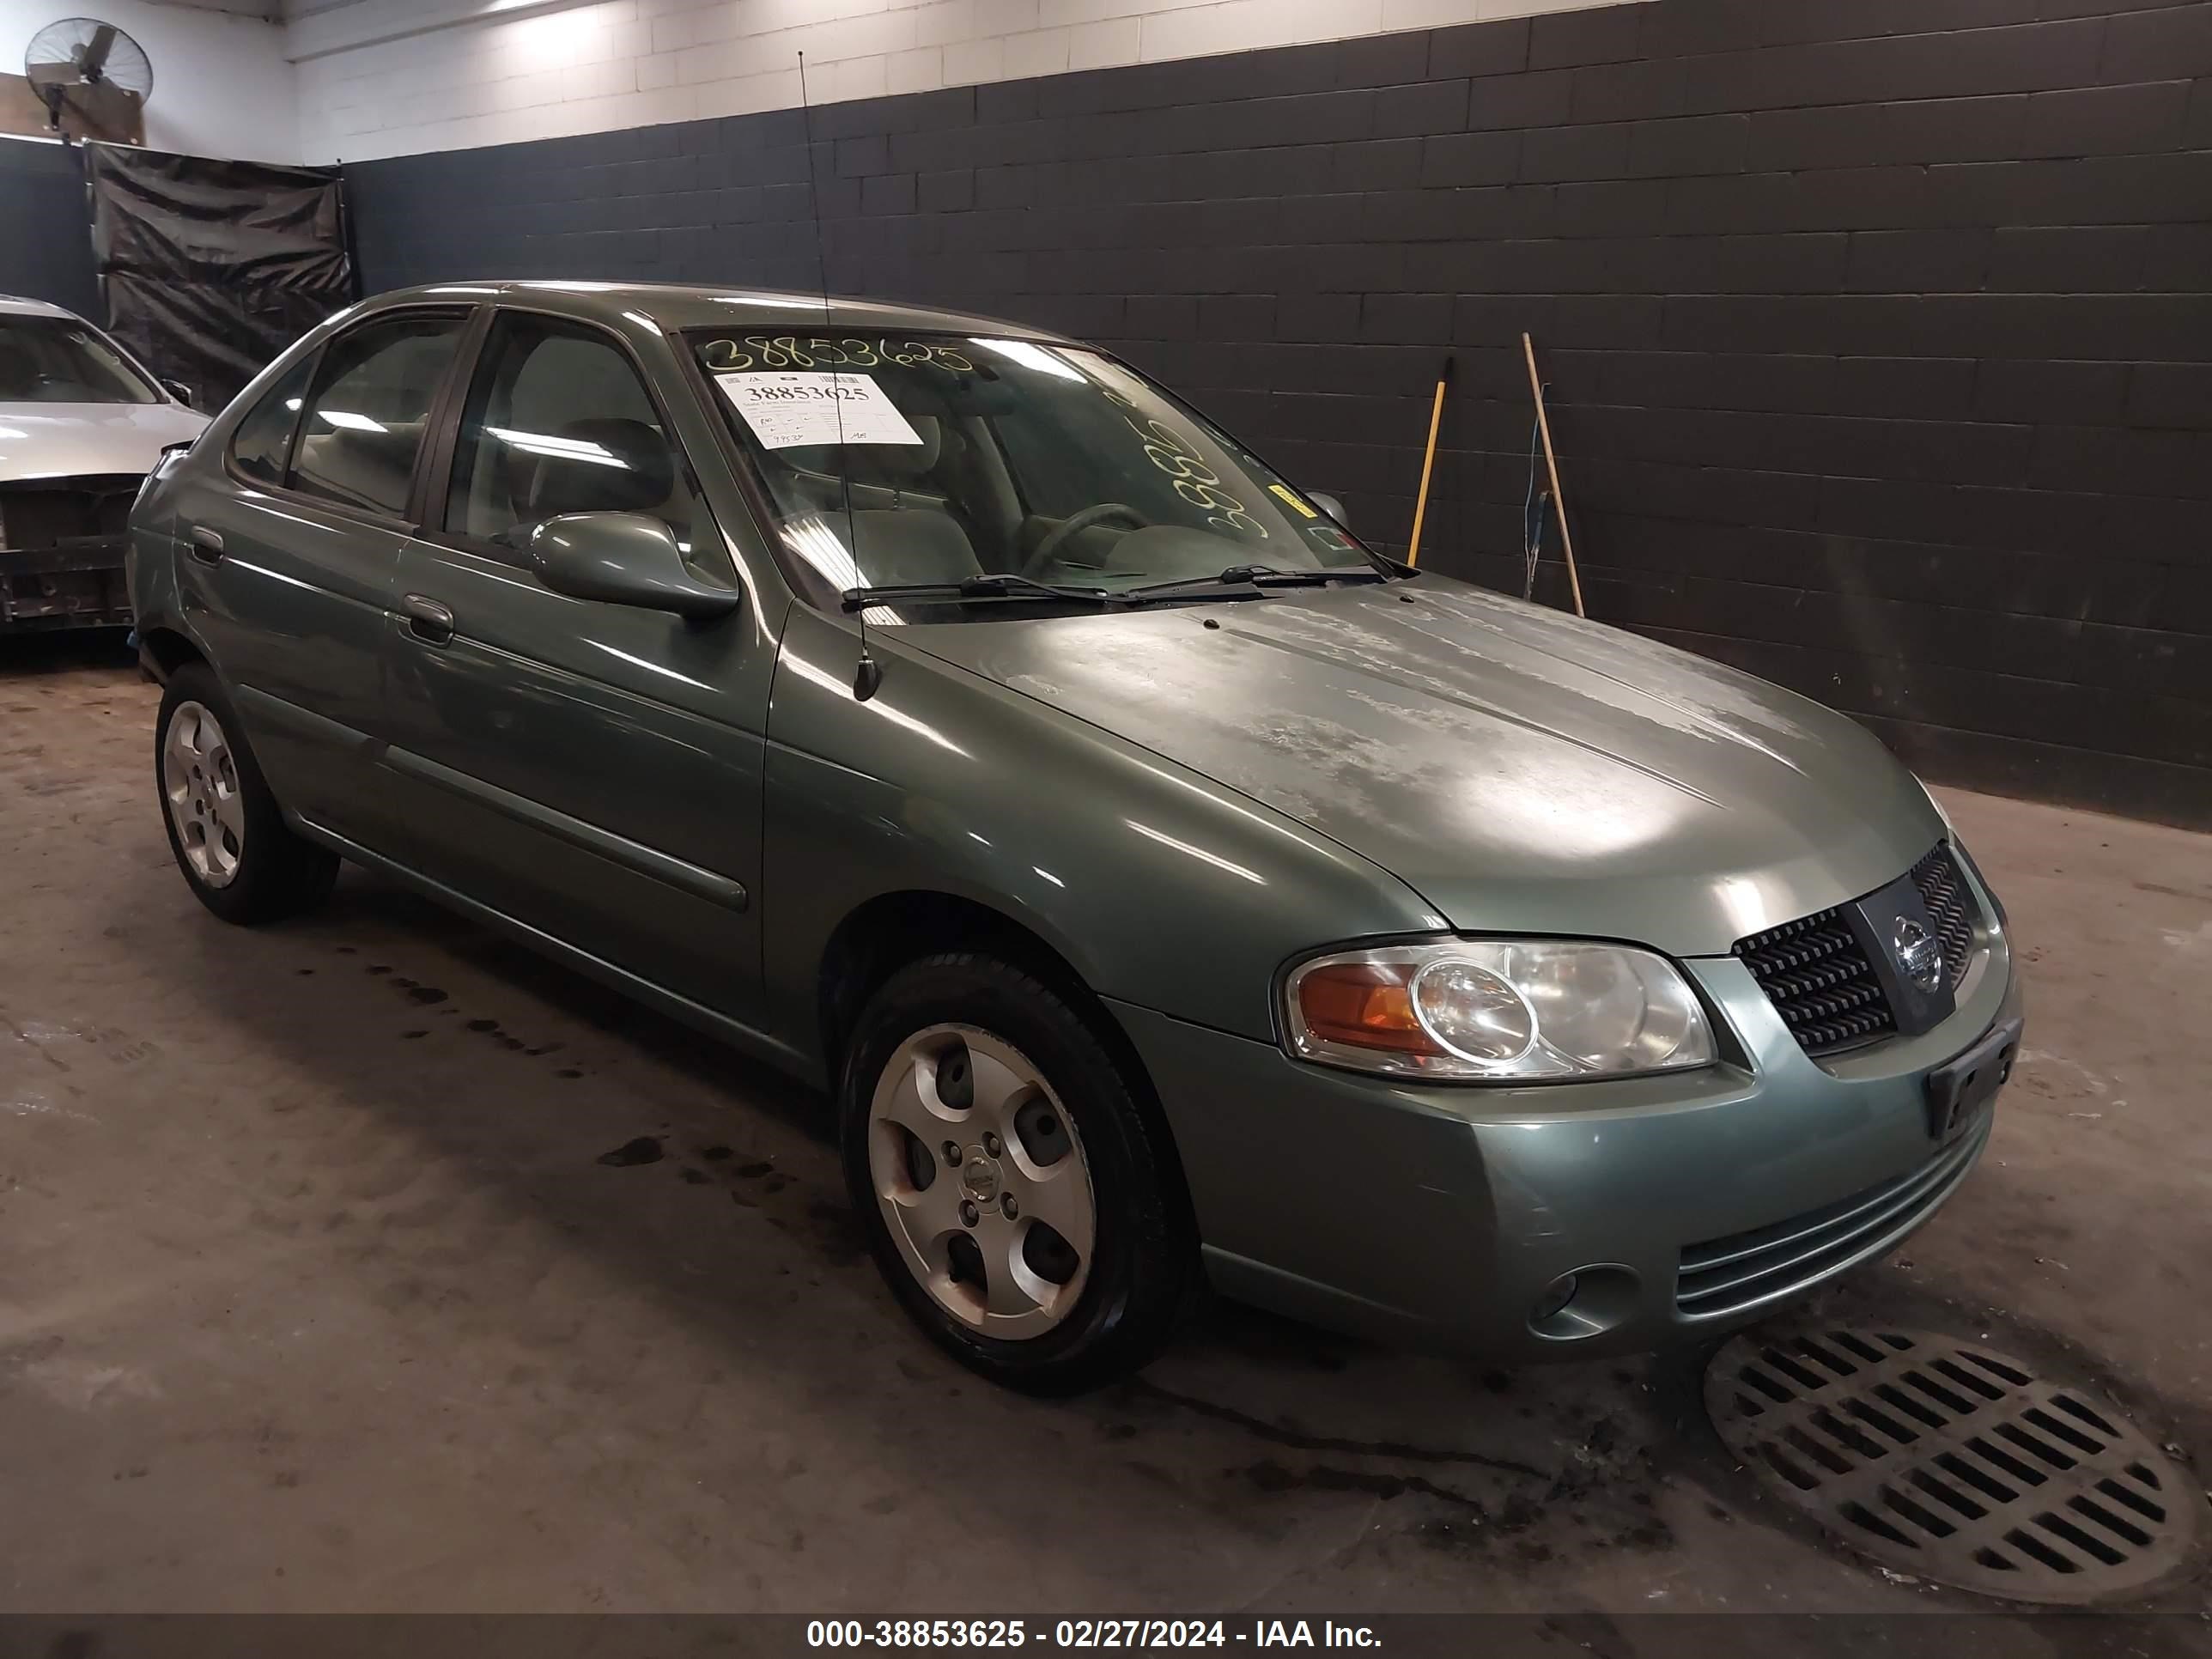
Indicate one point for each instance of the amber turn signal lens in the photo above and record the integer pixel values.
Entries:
(1367, 1004)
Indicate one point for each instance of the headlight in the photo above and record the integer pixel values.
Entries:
(1496, 1011)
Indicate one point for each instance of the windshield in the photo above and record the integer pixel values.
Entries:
(56, 360)
(971, 458)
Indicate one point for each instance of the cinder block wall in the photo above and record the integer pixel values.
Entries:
(1878, 329)
(50, 257)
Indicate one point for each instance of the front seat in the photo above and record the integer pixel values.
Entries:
(917, 542)
(19, 375)
(618, 466)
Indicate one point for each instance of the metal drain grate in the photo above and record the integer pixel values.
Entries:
(1955, 1463)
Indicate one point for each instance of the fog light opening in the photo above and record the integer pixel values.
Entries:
(1585, 1303)
(1553, 1302)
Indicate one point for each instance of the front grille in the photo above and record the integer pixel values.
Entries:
(1727, 1275)
(42, 513)
(1817, 976)
(1819, 981)
(1950, 906)
(61, 551)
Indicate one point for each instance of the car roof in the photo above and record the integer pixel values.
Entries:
(674, 305)
(15, 305)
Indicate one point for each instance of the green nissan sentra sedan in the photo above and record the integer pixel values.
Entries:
(1164, 884)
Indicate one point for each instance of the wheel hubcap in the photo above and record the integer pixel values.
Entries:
(981, 1176)
(983, 1180)
(199, 780)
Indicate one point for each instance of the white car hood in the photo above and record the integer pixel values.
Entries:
(61, 441)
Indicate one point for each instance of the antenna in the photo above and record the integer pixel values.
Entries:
(868, 673)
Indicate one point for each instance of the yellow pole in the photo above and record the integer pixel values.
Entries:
(1552, 466)
(1429, 464)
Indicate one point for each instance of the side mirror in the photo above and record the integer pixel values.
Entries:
(1330, 505)
(182, 393)
(623, 558)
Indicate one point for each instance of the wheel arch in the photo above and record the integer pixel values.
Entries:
(168, 649)
(882, 935)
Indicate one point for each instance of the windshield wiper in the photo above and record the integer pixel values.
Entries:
(1263, 576)
(1005, 585)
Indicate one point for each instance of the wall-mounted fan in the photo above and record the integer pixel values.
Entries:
(92, 77)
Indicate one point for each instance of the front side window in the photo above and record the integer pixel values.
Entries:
(58, 360)
(558, 421)
(892, 461)
(371, 402)
(261, 448)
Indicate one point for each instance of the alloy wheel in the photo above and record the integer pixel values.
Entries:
(982, 1182)
(199, 779)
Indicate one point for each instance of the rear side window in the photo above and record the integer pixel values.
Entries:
(261, 448)
(371, 401)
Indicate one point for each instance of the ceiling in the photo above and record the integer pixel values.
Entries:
(266, 8)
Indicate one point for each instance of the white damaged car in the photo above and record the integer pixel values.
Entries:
(82, 422)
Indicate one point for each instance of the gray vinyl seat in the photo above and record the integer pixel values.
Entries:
(912, 544)
(369, 466)
(914, 540)
(19, 375)
(626, 466)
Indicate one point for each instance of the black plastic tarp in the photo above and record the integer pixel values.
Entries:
(211, 268)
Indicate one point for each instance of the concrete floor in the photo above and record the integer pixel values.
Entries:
(315, 1292)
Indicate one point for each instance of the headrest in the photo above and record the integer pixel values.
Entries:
(903, 463)
(892, 465)
(913, 545)
(619, 466)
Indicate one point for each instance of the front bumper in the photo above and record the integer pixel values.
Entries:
(1438, 1216)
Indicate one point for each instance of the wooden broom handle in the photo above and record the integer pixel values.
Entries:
(1551, 466)
(1428, 465)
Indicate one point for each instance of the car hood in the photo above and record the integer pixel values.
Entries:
(63, 440)
(1522, 770)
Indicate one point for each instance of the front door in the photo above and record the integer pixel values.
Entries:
(592, 770)
(294, 554)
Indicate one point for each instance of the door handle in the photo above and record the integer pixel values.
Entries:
(207, 544)
(427, 619)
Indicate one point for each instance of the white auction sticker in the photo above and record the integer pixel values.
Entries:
(786, 411)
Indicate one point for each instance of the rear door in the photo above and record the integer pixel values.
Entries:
(293, 548)
(590, 769)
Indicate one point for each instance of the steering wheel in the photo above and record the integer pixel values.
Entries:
(1074, 525)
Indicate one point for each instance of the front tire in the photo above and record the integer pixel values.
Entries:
(239, 857)
(1019, 1204)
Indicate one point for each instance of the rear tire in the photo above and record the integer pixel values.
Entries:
(239, 857)
(986, 1061)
